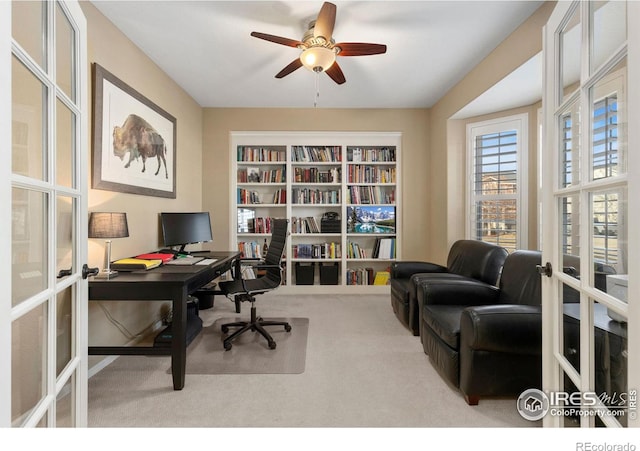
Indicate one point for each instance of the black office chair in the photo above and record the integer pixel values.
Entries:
(245, 289)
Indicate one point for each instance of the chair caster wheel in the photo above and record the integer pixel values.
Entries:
(272, 345)
(224, 329)
(287, 328)
(227, 346)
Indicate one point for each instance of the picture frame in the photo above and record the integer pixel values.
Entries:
(134, 140)
(371, 219)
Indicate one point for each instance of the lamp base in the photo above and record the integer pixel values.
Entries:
(107, 274)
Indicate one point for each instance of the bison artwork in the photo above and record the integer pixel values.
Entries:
(140, 139)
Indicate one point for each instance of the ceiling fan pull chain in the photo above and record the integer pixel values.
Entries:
(317, 96)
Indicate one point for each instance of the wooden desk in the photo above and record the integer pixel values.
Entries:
(167, 282)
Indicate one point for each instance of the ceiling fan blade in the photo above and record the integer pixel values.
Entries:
(335, 73)
(360, 49)
(293, 65)
(325, 21)
(276, 39)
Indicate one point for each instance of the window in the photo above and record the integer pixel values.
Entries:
(497, 184)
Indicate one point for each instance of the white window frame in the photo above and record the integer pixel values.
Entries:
(520, 123)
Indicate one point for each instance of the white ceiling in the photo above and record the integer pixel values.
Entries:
(206, 47)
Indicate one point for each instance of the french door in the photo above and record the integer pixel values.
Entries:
(43, 189)
(591, 202)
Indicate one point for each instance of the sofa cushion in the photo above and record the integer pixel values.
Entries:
(477, 260)
(444, 321)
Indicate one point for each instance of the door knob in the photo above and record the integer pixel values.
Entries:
(86, 271)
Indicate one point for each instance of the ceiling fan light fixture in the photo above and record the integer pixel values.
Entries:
(318, 59)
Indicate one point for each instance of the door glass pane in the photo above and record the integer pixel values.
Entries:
(65, 405)
(570, 55)
(28, 244)
(608, 122)
(65, 54)
(64, 329)
(569, 145)
(28, 27)
(28, 362)
(65, 234)
(609, 29)
(570, 250)
(65, 144)
(609, 237)
(28, 116)
(610, 362)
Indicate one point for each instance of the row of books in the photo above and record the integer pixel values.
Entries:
(371, 195)
(247, 153)
(255, 175)
(250, 249)
(377, 154)
(371, 174)
(384, 248)
(260, 225)
(315, 175)
(304, 225)
(316, 153)
(324, 250)
(367, 276)
(315, 196)
(250, 197)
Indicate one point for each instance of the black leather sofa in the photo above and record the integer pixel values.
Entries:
(467, 259)
(483, 339)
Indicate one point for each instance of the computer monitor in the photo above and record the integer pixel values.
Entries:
(181, 229)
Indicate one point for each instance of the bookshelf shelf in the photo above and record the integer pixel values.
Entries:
(354, 175)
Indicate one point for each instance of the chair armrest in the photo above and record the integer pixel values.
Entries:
(509, 328)
(405, 269)
(456, 292)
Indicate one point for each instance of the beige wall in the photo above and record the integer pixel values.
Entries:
(412, 123)
(447, 167)
(108, 47)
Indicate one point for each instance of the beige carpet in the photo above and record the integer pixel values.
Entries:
(250, 353)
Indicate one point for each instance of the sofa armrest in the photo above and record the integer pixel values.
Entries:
(509, 328)
(405, 269)
(458, 291)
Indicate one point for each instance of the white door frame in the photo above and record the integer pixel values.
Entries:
(76, 369)
(552, 305)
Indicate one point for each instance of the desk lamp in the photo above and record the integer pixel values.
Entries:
(108, 225)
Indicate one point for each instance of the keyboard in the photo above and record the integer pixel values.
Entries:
(207, 261)
(185, 261)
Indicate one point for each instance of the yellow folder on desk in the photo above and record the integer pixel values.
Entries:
(130, 264)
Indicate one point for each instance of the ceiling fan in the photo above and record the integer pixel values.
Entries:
(319, 50)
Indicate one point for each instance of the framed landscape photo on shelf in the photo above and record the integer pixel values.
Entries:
(134, 140)
(371, 219)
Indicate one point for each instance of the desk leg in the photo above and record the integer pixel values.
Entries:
(179, 339)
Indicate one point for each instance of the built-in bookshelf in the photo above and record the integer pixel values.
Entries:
(341, 194)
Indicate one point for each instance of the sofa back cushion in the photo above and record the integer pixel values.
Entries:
(520, 282)
(476, 259)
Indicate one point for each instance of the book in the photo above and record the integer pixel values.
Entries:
(156, 256)
(131, 264)
(382, 278)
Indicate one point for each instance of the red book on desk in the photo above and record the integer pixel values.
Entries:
(156, 256)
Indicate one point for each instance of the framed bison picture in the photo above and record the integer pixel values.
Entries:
(134, 140)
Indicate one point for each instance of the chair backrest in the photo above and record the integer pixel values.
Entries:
(520, 282)
(476, 259)
(279, 233)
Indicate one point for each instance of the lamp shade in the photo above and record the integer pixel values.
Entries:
(318, 59)
(108, 225)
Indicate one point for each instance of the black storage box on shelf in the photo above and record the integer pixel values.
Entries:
(305, 273)
(330, 225)
(329, 273)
